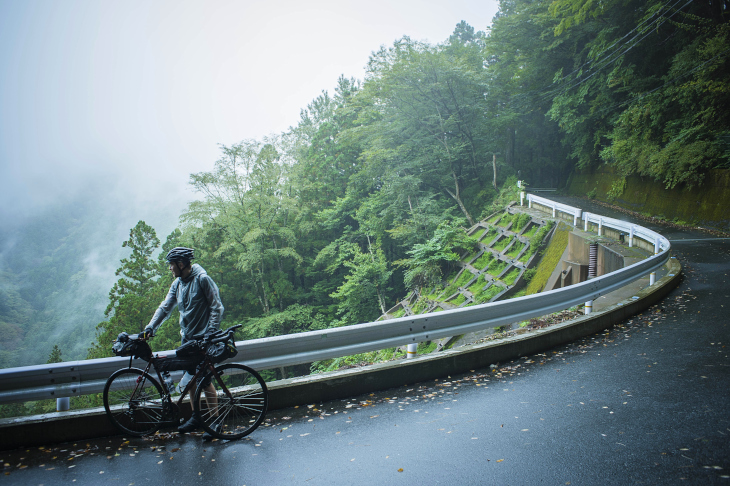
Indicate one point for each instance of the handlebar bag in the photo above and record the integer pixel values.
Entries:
(125, 346)
(220, 352)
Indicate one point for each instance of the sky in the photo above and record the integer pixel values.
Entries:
(131, 97)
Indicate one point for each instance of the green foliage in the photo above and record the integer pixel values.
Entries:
(353, 360)
(483, 260)
(618, 188)
(515, 249)
(536, 239)
(55, 356)
(521, 220)
(485, 295)
(529, 274)
(506, 220)
(294, 319)
(533, 229)
(502, 243)
(132, 299)
(550, 259)
(458, 300)
(428, 261)
(496, 267)
(362, 296)
(511, 276)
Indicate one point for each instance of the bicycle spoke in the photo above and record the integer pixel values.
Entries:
(134, 402)
(240, 404)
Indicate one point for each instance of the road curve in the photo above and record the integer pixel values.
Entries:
(644, 403)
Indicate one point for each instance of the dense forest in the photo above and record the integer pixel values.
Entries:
(333, 221)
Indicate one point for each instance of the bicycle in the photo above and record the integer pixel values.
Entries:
(137, 404)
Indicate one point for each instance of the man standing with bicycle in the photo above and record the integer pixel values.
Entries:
(197, 298)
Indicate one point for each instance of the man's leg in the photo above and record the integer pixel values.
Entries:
(211, 397)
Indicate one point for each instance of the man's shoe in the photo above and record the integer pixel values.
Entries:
(207, 436)
(192, 424)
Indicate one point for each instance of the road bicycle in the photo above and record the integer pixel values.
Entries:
(139, 404)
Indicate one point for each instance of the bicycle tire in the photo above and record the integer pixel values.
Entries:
(239, 414)
(133, 401)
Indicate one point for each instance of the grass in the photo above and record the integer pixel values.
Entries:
(436, 292)
(465, 276)
(483, 260)
(476, 287)
(460, 299)
(452, 275)
(531, 231)
(502, 243)
(550, 259)
(353, 360)
(537, 238)
(487, 294)
(421, 306)
(506, 220)
(520, 222)
(494, 218)
(427, 347)
(511, 276)
(515, 249)
(496, 267)
(525, 256)
(488, 235)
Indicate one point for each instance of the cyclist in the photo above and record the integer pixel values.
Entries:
(198, 300)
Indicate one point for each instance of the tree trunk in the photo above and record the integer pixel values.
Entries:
(381, 301)
(494, 168)
(457, 198)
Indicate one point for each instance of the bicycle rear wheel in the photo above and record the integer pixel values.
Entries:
(238, 408)
(133, 402)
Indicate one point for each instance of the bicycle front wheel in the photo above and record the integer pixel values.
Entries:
(239, 404)
(133, 401)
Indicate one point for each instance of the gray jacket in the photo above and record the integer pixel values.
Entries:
(199, 302)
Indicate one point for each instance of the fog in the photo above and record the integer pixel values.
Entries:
(138, 94)
(116, 103)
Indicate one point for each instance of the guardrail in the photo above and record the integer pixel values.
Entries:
(88, 376)
(555, 206)
(624, 227)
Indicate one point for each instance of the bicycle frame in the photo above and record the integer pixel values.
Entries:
(207, 365)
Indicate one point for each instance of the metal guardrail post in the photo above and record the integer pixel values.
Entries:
(412, 350)
(652, 275)
(63, 404)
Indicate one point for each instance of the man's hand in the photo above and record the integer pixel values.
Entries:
(146, 334)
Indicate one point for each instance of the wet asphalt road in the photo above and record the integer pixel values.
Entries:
(645, 403)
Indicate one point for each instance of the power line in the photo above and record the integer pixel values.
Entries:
(607, 60)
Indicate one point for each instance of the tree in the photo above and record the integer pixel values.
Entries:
(249, 197)
(132, 299)
(55, 356)
(430, 107)
(362, 295)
